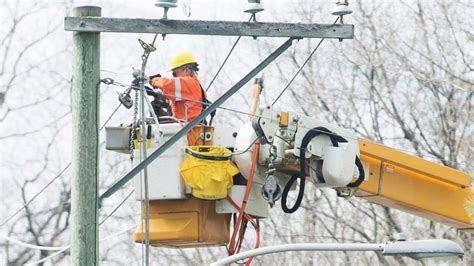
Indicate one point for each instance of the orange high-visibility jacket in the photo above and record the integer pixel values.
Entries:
(185, 94)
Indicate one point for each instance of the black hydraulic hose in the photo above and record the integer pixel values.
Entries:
(335, 140)
(361, 174)
(302, 175)
(284, 194)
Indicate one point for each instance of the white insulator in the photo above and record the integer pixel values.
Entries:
(166, 3)
(341, 10)
(254, 8)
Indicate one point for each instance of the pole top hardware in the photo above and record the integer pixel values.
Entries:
(254, 7)
(342, 8)
(166, 4)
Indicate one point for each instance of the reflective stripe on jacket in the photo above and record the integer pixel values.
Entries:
(182, 91)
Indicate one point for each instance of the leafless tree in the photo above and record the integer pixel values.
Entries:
(405, 80)
(31, 84)
(407, 83)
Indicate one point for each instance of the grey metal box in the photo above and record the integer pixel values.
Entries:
(117, 139)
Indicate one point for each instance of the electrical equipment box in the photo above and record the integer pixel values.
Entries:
(117, 139)
(184, 223)
(164, 180)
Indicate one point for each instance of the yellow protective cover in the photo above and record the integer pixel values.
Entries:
(208, 171)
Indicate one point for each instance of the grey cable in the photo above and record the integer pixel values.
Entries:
(54, 179)
(117, 207)
(225, 60)
(301, 67)
(36, 195)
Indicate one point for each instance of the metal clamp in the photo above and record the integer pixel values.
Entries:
(107, 81)
(271, 190)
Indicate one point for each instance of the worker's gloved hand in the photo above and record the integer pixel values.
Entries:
(160, 99)
(151, 91)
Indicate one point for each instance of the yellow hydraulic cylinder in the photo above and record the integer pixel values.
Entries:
(399, 180)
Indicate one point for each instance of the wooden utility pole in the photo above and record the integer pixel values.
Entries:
(85, 157)
(215, 28)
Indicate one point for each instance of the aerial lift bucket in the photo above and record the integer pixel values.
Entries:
(183, 222)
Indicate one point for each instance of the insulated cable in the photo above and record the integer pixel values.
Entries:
(254, 224)
(52, 180)
(301, 67)
(67, 247)
(63, 248)
(225, 60)
(30, 246)
(253, 165)
(36, 195)
(273, 120)
(335, 140)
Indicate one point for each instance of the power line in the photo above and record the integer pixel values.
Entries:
(64, 248)
(301, 67)
(67, 247)
(54, 179)
(298, 72)
(110, 117)
(223, 63)
(273, 120)
(117, 207)
(30, 246)
(36, 195)
(226, 58)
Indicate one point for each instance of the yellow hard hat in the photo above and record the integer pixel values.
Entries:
(181, 59)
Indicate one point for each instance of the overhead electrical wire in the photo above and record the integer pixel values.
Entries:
(67, 247)
(64, 248)
(223, 63)
(225, 60)
(54, 179)
(301, 67)
(255, 115)
(30, 246)
(36, 195)
(117, 207)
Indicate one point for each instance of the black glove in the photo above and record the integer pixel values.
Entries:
(160, 99)
(150, 91)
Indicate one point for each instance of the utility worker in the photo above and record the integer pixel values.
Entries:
(184, 90)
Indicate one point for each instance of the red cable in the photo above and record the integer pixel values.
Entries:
(255, 226)
(253, 164)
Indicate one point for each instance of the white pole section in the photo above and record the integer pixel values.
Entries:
(299, 247)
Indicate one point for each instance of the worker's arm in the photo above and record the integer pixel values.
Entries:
(165, 84)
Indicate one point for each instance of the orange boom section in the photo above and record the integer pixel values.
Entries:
(414, 185)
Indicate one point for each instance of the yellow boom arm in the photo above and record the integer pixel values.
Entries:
(414, 185)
